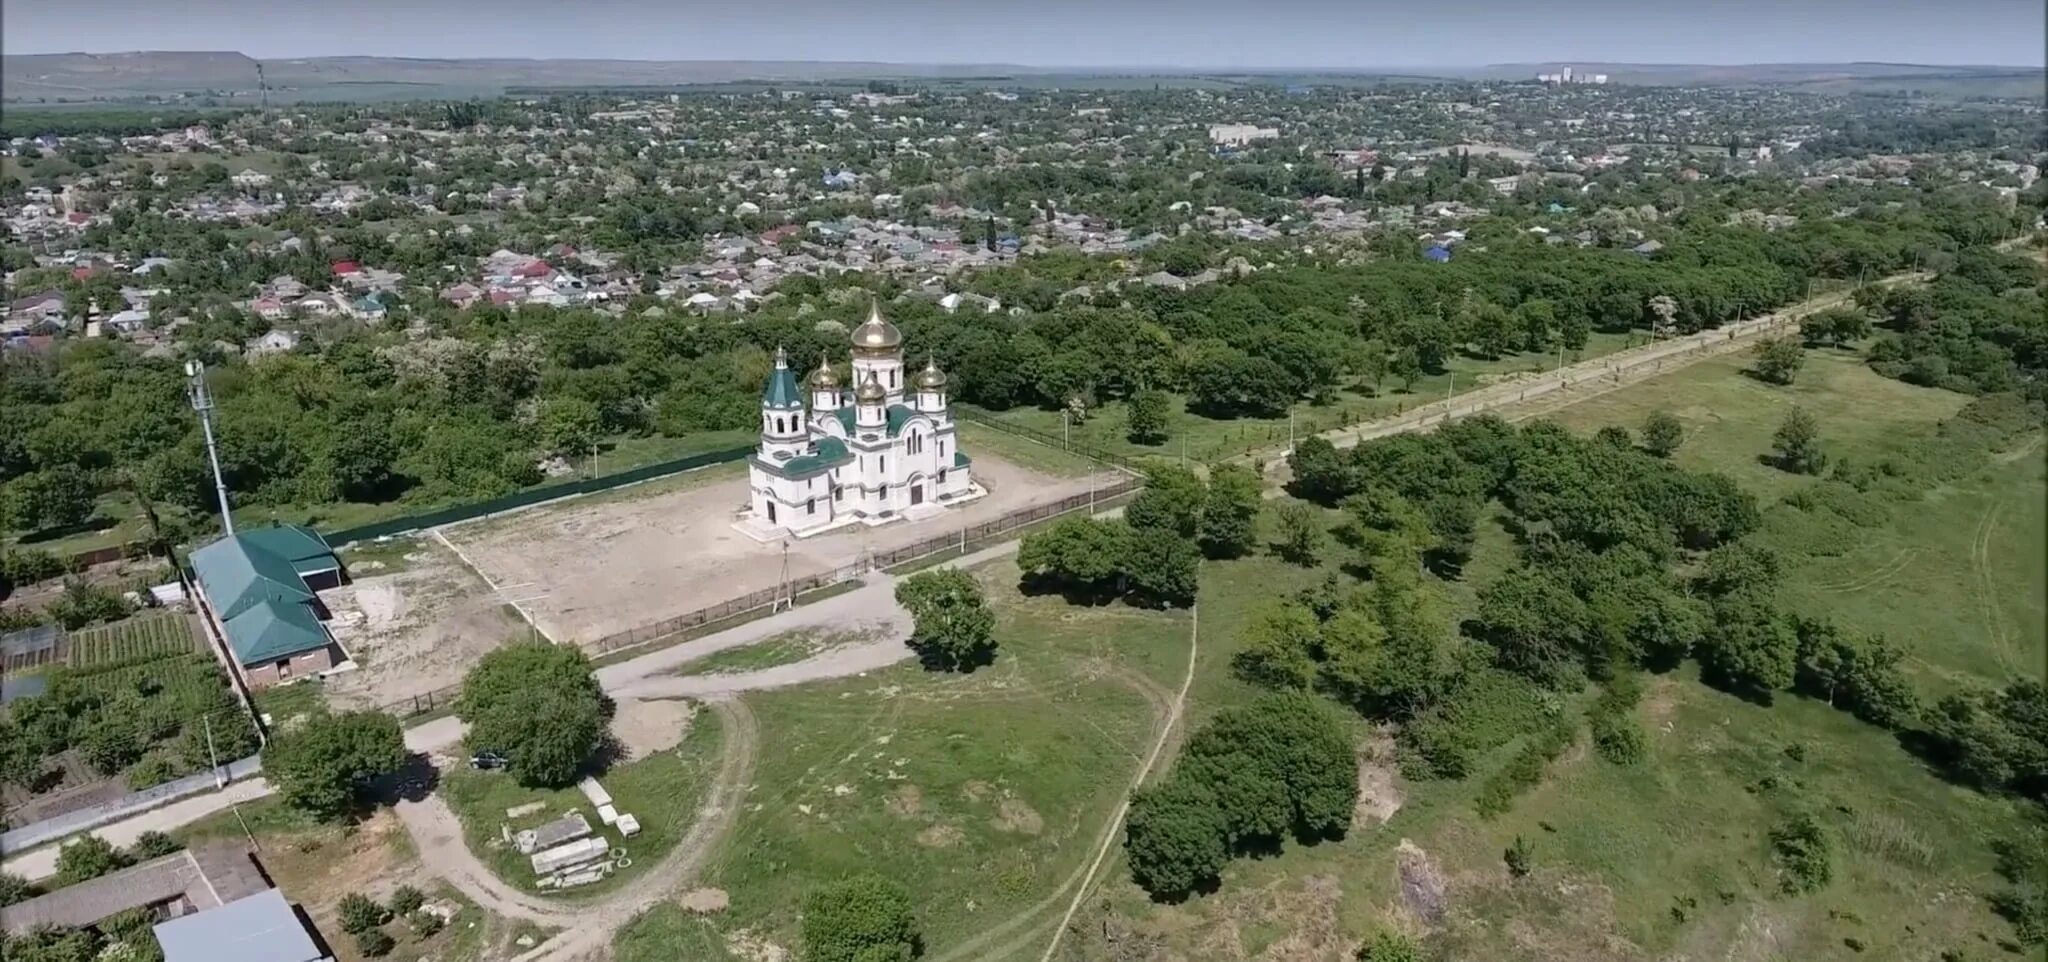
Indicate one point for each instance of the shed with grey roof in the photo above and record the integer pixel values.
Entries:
(260, 928)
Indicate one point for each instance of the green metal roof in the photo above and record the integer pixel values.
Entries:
(238, 575)
(781, 391)
(292, 542)
(899, 415)
(271, 630)
(845, 416)
(960, 459)
(831, 452)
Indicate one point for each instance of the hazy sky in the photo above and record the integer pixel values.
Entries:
(1210, 33)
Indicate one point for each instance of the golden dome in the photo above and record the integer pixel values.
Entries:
(875, 334)
(931, 377)
(871, 391)
(823, 376)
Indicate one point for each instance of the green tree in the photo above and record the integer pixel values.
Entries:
(569, 426)
(1292, 739)
(87, 857)
(1147, 414)
(549, 737)
(1279, 649)
(1172, 500)
(56, 497)
(1084, 554)
(1163, 566)
(1320, 473)
(1174, 837)
(326, 765)
(1230, 514)
(954, 630)
(1302, 535)
(862, 919)
(1796, 446)
(1662, 433)
(1778, 360)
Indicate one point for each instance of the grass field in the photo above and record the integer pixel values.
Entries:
(780, 650)
(1669, 859)
(663, 790)
(978, 438)
(1207, 439)
(983, 793)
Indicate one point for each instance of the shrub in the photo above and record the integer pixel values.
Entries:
(149, 845)
(860, 919)
(1662, 434)
(406, 900)
(89, 857)
(360, 913)
(373, 943)
(425, 924)
(153, 769)
(1519, 857)
(14, 888)
(1805, 856)
(1389, 947)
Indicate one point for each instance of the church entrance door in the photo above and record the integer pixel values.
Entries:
(917, 494)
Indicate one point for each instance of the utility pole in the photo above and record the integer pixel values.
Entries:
(202, 402)
(219, 780)
(1066, 420)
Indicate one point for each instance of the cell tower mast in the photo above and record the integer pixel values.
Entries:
(202, 402)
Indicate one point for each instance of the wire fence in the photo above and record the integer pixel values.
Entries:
(531, 496)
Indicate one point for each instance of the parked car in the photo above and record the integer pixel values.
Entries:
(488, 761)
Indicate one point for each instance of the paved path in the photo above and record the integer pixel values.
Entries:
(41, 863)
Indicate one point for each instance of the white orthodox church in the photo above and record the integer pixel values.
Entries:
(882, 452)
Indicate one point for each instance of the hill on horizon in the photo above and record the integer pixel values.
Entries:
(231, 78)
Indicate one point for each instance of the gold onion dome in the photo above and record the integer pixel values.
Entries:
(871, 391)
(823, 376)
(876, 334)
(931, 377)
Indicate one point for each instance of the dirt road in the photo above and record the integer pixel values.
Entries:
(1587, 378)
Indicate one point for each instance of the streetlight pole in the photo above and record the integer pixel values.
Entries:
(202, 402)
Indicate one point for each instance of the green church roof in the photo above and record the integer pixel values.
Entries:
(831, 452)
(781, 391)
(898, 415)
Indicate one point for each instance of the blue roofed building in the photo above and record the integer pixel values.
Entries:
(258, 588)
(1439, 254)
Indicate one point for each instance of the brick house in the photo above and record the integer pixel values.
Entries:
(257, 589)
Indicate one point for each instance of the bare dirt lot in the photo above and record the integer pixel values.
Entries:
(591, 567)
(415, 629)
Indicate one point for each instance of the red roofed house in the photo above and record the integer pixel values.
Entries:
(502, 297)
(533, 269)
(81, 273)
(774, 235)
(345, 268)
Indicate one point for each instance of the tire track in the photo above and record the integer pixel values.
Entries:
(1025, 926)
(1879, 575)
(1987, 588)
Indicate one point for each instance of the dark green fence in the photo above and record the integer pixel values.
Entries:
(520, 499)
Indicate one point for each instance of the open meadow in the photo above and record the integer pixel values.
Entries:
(1206, 439)
(986, 793)
(1669, 858)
